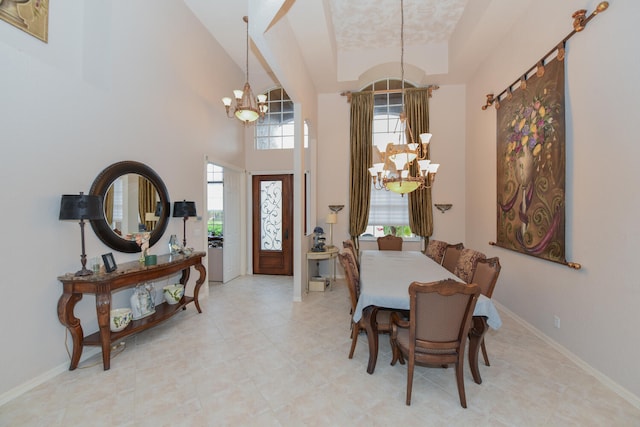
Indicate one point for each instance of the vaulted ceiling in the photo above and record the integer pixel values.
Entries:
(346, 43)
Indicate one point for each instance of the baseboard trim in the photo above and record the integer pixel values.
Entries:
(605, 380)
(46, 376)
(87, 352)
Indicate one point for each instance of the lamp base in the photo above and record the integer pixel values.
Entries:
(84, 272)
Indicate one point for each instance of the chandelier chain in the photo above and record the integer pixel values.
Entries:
(246, 19)
(402, 48)
(404, 167)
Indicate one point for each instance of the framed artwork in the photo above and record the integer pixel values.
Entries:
(109, 262)
(31, 16)
(531, 166)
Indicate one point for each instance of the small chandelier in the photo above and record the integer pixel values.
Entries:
(247, 109)
(393, 173)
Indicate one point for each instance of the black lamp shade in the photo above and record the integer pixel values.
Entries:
(82, 206)
(184, 209)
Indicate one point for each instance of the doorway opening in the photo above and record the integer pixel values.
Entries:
(215, 221)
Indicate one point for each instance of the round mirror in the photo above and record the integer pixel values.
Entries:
(135, 200)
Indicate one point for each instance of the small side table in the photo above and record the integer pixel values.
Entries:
(331, 253)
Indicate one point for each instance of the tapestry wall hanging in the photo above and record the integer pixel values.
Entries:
(531, 165)
(31, 16)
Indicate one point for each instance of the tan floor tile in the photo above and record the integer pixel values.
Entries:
(256, 358)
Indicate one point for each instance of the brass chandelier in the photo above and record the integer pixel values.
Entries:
(247, 107)
(394, 171)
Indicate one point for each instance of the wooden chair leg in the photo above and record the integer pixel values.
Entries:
(355, 331)
(484, 353)
(396, 353)
(460, 381)
(394, 350)
(409, 381)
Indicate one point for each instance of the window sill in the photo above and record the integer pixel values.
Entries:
(404, 239)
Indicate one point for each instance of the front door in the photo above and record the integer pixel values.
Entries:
(272, 197)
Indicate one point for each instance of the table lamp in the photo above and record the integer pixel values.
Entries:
(184, 210)
(332, 218)
(82, 206)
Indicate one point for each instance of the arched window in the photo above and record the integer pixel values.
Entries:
(389, 211)
(275, 131)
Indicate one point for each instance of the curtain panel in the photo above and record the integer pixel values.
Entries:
(361, 146)
(420, 204)
(146, 201)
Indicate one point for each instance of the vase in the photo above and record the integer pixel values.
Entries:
(174, 245)
(524, 167)
(151, 295)
(142, 301)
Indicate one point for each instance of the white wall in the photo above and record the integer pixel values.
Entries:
(447, 123)
(117, 81)
(598, 304)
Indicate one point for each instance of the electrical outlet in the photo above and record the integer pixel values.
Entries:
(556, 322)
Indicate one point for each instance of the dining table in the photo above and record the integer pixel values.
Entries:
(385, 277)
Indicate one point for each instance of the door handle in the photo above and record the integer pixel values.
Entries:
(286, 234)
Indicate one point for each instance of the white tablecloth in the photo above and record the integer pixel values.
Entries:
(385, 277)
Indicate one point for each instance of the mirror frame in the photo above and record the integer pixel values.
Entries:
(100, 187)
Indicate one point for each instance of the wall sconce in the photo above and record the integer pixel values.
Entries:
(443, 207)
(82, 206)
(184, 210)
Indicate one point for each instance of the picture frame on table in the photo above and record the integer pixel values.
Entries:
(109, 262)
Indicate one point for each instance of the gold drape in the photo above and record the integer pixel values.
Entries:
(361, 142)
(146, 201)
(108, 206)
(420, 208)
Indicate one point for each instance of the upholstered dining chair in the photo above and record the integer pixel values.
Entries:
(351, 253)
(349, 244)
(353, 283)
(466, 263)
(435, 250)
(389, 243)
(486, 276)
(436, 333)
(451, 255)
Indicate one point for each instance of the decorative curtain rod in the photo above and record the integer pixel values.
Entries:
(429, 88)
(580, 20)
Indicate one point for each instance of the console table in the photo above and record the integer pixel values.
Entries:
(331, 252)
(126, 276)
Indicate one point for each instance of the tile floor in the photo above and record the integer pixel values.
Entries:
(255, 358)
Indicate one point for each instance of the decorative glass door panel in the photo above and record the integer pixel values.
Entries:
(271, 215)
(272, 199)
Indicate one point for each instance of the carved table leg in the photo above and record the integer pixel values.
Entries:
(371, 326)
(478, 328)
(66, 303)
(103, 309)
(185, 276)
(199, 283)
